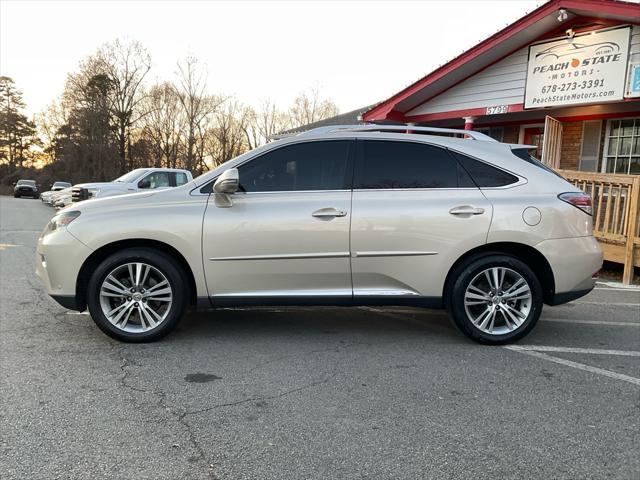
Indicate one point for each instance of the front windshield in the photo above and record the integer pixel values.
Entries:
(26, 182)
(61, 184)
(132, 175)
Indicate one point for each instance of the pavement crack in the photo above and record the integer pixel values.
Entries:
(259, 398)
(161, 396)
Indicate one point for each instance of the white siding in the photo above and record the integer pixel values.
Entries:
(500, 84)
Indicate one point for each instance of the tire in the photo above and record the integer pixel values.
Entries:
(137, 326)
(494, 318)
(15, 195)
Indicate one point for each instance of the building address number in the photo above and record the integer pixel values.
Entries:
(498, 109)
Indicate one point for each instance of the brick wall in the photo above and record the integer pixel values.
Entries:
(571, 141)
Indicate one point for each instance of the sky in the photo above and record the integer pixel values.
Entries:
(354, 52)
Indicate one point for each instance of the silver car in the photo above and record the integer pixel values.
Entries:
(352, 215)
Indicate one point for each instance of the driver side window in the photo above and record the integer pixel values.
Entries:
(156, 180)
(321, 165)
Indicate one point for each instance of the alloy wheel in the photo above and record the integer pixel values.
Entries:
(136, 297)
(498, 300)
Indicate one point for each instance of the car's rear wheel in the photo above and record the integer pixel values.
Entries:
(137, 295)
(495, 299)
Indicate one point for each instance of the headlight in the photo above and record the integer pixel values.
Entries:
(61, 220)
(93, 192)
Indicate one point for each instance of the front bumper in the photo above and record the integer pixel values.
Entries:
(59, 257)
(574, 261)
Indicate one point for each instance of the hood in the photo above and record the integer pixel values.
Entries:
(100, 184)
(109, 202)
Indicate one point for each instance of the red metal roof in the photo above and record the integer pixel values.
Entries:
(525, 30)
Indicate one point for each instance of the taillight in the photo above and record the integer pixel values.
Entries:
(578, 199)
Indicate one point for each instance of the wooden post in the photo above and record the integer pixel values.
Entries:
(632, 226)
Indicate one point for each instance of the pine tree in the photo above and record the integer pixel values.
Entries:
(17, 132)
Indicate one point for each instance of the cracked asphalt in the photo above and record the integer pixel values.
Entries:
(322, 393)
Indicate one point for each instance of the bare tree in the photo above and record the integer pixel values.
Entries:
(227, 138)
(126, 65)
(263, 124)
(49, 123)
(196, 104)
(309, 107)
(163, 124)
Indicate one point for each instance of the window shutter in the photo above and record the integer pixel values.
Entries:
(590, 150)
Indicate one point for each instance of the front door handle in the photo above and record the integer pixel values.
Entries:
(328, 213)
(466, 210)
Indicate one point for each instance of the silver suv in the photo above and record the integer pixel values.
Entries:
(355, 215)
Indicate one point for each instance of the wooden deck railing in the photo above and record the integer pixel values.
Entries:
(616, 217)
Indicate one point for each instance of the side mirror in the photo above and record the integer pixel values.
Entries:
(228, 182)
(144, 184)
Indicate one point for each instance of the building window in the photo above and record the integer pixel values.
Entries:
(497, 133)
(622, 146)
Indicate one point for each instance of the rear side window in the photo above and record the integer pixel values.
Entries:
(181, 178)
(484, 175)
(389, 164)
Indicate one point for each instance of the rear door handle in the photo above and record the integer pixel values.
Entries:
(328, 213)
(466, 210)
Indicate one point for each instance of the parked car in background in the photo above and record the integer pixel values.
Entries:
(62, 198)
(355, 215)
(25, 188)
(135, 180)
(47, 196)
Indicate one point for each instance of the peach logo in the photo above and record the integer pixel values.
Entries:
(575, 63)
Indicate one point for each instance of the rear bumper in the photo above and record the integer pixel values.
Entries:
(560, 298)
(573, 262)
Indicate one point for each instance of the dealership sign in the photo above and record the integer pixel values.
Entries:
(589, 68)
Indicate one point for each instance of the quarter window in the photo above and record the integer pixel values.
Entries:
(394, 164)
(484, 175)
(302, 166)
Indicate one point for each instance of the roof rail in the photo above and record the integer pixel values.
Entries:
(400, 129)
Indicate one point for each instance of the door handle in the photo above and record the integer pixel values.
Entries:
(466, 210)
(328, 213)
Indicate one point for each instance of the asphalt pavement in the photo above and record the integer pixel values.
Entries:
(318, 393)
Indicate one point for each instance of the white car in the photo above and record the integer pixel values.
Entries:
(355, 215)
(61, 198)
(134, 181)
(48, 196)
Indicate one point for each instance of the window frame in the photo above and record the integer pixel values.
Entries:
(360, 158)
(348, 172)
(607, 137)
(450, 151)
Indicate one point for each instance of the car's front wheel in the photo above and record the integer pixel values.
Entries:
(495, 299)
(137, 295)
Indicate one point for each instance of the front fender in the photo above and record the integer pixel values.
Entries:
(174, 223)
